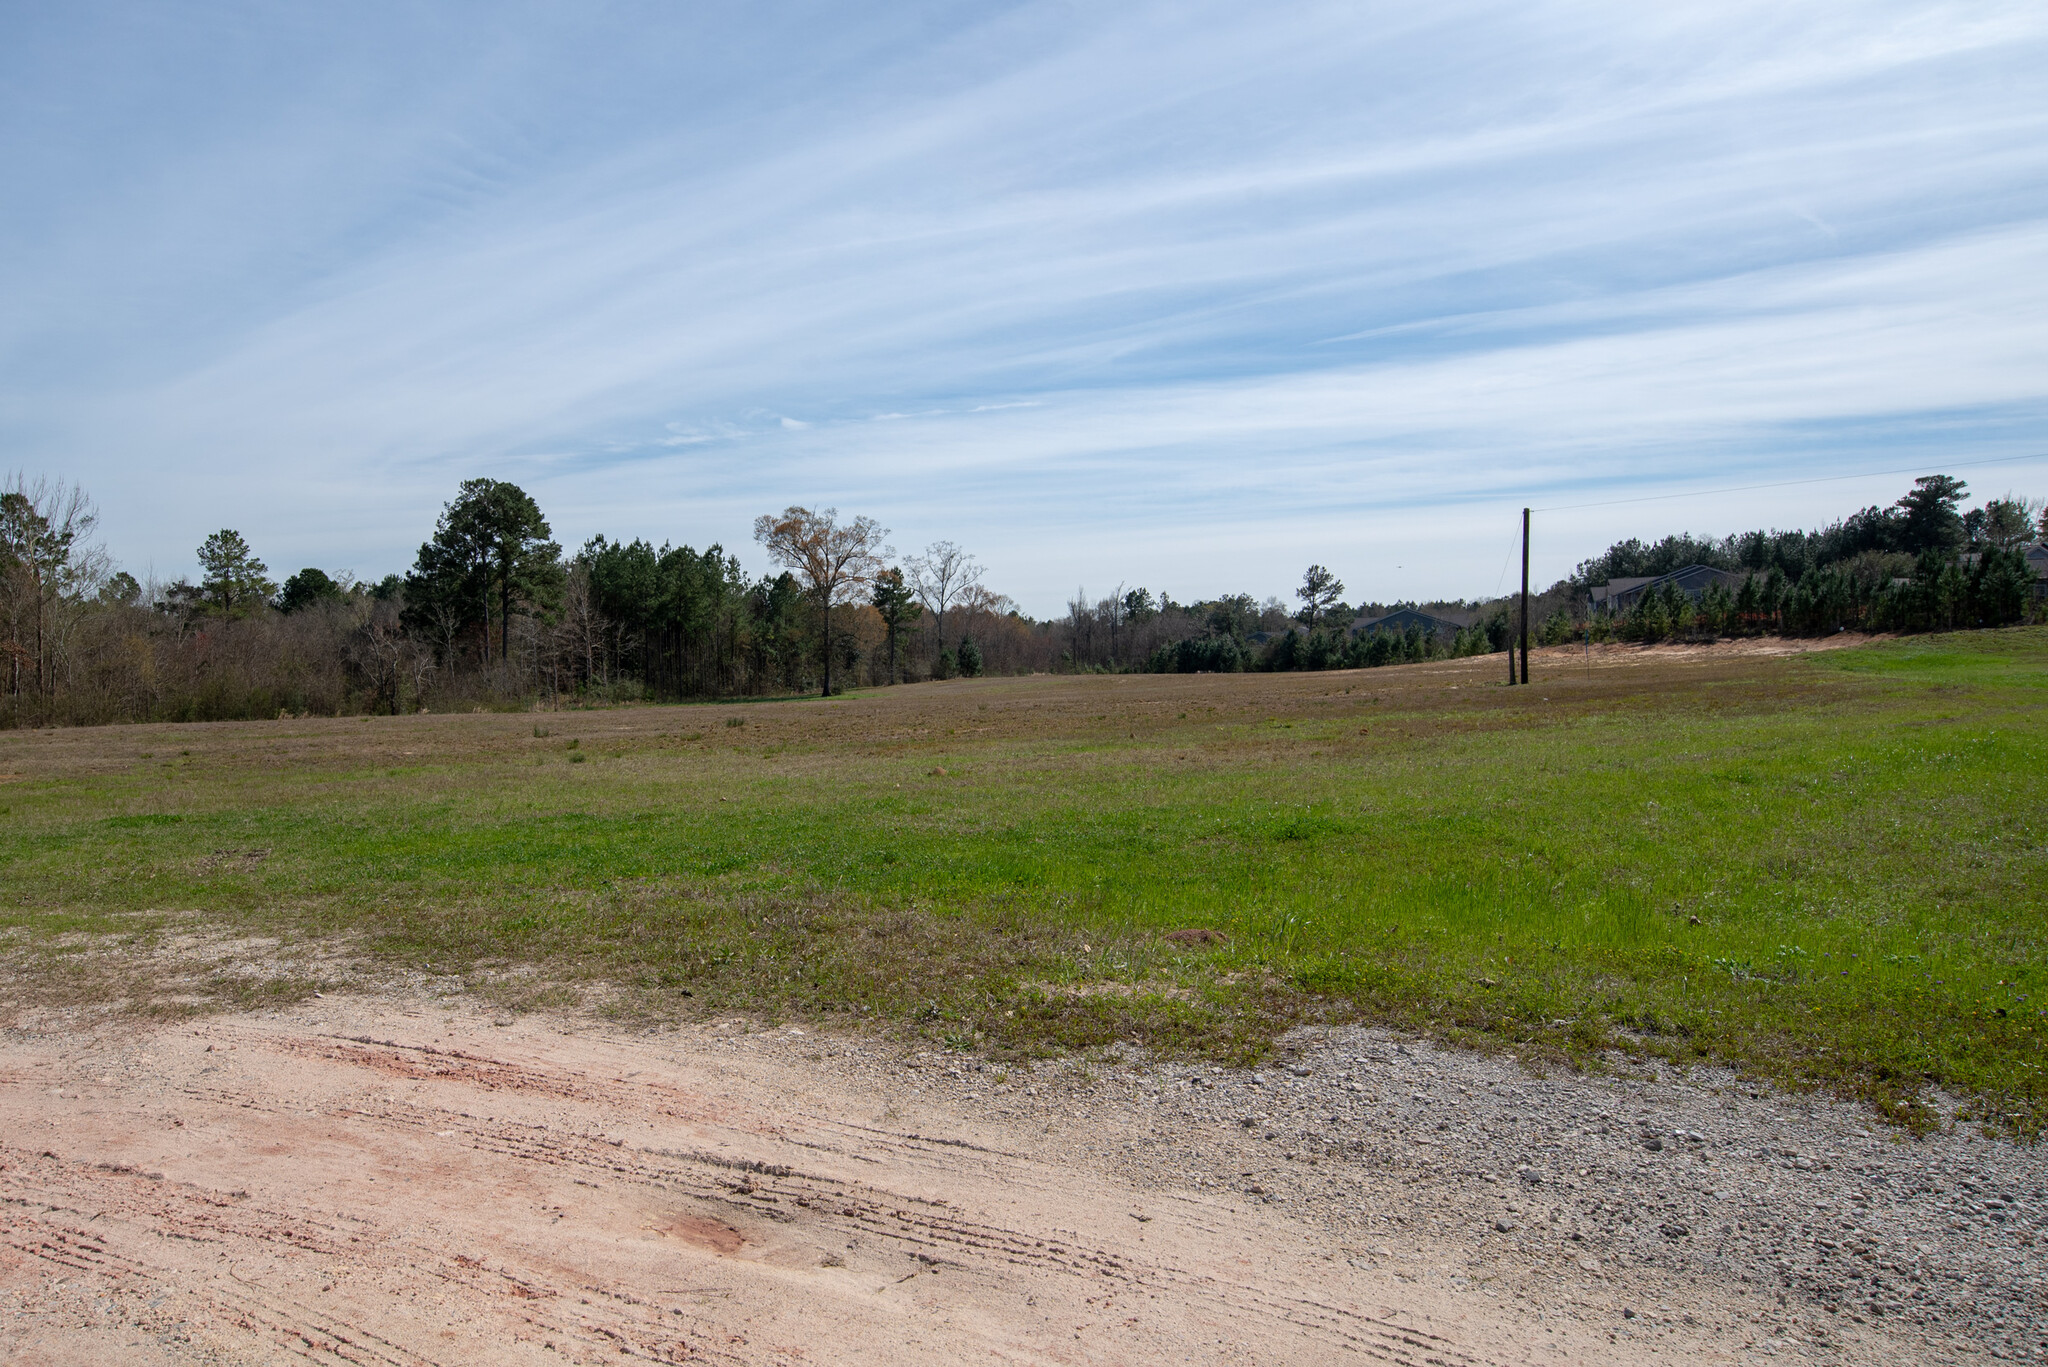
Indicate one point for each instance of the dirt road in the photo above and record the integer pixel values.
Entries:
(405, 1182)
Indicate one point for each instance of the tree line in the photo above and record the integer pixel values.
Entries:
(494, 613)
(1920, 564)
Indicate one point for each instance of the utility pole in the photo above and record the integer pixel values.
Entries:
(1525, 595)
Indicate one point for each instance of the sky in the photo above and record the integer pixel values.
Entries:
(1180, 295)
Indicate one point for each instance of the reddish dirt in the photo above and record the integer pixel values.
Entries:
(389, 1183)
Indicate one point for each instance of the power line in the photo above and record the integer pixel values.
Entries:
(1787, 483)
(1505, 557)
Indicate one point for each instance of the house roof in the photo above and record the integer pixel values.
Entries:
(1601, 592)
(1402, 618)
(1688, 577)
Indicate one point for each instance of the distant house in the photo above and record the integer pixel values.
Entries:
(2037, 560)
(1402, 619)
(1619, 595)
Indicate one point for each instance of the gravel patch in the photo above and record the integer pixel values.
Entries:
(1642, 1199)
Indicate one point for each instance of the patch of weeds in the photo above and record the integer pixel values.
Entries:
(525, 995)
(244, 992)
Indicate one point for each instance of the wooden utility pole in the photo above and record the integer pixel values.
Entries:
(1525, 595)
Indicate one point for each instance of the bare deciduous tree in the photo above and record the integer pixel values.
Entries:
(977, 605)
(582, 627)
(49, 566)
(939, 577)
(1110, 612)
(833, 560)
(1080, 626)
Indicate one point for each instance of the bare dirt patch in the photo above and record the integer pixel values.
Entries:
(398, 1181)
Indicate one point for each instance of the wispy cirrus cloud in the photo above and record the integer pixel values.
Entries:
(1230, 286)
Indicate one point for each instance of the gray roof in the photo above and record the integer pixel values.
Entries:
(1601, 592)
(1691, 580)
(1402, 618)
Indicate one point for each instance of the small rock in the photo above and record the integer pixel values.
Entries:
(1504, 1226)
(1675, 1230)
(1654, 1143)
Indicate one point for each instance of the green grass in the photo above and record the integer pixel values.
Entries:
(1824, 869)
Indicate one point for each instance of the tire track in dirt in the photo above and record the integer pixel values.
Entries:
(45, 1216)
(52, 1207)
(356, 1185)
(888, 1214)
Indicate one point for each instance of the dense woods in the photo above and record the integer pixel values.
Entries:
(494, 613)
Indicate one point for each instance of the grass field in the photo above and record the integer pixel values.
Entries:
(1826, 868)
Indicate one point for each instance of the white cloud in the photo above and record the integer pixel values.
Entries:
(1179, 293)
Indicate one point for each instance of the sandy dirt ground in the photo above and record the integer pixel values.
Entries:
(382, 1181)
(353, 1185)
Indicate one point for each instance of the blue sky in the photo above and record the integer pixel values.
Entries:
(1186, 294)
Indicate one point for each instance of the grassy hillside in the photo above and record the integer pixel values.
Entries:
(1825, 868)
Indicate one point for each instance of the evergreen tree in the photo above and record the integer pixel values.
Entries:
(897, 603)
(232, 580)
(1931, 520)
(1319, 589)
(121, 590)
(490, 540)
(307, 587)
